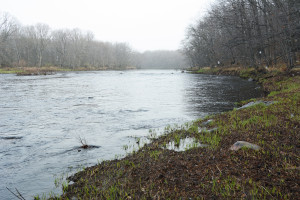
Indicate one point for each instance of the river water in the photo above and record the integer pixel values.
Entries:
(42, 117)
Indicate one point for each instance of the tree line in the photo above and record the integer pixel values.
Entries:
(246, 32)
(38, 45)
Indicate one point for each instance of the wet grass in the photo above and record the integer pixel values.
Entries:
(212, 172)
(10, 70)
(47, 70)
(29, 71)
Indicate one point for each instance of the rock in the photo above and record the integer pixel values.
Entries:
(257, 88)
(242, 144)
(207, 122)
(250, 79)
(267, 103)
(249, 105)
(212, 130)
(71, 182)
(208, 130)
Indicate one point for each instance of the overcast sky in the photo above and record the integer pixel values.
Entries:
(143, 24)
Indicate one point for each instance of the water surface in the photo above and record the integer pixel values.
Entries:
(43, 116)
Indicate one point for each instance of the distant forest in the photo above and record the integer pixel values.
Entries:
(38, 45)
(246, 32)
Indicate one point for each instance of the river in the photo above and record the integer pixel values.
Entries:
(42, 117)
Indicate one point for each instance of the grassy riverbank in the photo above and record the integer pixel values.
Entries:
(29, 71)
(212, 171)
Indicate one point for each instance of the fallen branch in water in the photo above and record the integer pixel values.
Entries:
(83, 142)
(18, 195)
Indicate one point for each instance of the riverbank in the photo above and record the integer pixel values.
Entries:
(216, 169)
(31, 71)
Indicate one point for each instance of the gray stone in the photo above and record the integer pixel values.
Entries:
(208, 130)
(242, 144)
(207, 122)
(267, 103)
(212, 130)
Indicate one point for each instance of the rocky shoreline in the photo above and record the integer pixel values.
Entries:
(248, 153)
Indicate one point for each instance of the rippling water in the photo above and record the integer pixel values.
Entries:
(41, 117)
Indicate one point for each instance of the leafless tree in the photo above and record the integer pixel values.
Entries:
(8, 26)
(42, 39)
(248, 32)
(60, 41)
(38, 45)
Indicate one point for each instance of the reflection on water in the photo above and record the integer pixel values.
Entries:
(184, 144)
(42, 117)
(212, 94)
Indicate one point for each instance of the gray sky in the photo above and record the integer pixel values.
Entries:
(143, 24)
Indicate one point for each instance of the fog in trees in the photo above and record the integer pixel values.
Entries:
(162, 60)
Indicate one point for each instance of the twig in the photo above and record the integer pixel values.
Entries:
(83, 143)
(13, 193)
(266, 190)
(219, 169)
(19, 196)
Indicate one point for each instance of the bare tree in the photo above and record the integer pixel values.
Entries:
(60, 40)
(248, 32)
(42, 39)
(8, 26)
(37, 45)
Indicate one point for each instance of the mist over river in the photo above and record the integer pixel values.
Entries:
(42, 117)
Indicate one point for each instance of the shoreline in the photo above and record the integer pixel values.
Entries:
(216, 169)
(33, 71)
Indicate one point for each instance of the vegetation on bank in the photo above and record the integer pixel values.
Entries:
(246, 72)
(211, 171)
(29, 71)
